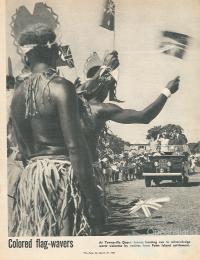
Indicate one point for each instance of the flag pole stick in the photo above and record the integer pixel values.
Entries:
(114, 39)
(76, 71)
(114, 31)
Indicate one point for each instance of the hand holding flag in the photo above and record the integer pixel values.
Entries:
(173, 85)
(111, 60)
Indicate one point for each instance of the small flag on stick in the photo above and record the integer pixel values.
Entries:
(10, 80)
(174, 44)
(65, 57)
(108, 21)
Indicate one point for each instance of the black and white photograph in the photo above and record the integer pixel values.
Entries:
(102, 117)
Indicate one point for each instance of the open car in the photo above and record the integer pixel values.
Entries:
(168, 162)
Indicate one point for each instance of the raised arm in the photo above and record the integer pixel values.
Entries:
(129, 116)
(66, 102)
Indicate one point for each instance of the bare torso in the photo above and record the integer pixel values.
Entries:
(39, 135)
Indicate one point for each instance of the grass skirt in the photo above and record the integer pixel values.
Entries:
(47, 194)
(100, 181)
(14, 170)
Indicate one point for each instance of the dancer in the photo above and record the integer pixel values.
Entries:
(95, 113)
(56, 194)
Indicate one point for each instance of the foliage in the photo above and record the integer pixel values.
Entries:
(116, 143)
(170, 128)
(157, 130)
(153, 132)
(110, 143)
(194, 147)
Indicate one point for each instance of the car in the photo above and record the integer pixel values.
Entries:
(168, 162)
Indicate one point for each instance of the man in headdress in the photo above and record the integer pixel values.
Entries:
(95, 90)
(14, 167)
(56, 194)
(95, 113)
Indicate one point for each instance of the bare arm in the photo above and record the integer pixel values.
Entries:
(129, 116)
(66, 102)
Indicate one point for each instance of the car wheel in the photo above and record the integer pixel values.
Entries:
(185, 180)
(148, 182)
(179, 179)
(156, 182)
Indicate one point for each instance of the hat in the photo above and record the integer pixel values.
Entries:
(30, 30)
(23, 19)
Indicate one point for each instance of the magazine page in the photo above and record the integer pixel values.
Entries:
(100, 133)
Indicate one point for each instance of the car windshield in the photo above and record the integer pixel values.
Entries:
(169, 149)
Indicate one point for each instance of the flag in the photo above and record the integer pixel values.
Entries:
(174, 44)
(65, 57)
(143, 206)
(108, 21)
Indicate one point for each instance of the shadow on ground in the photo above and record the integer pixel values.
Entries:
(171, 184)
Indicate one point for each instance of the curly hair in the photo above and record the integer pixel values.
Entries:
(38, 33)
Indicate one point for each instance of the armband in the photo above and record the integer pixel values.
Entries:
(166, 92)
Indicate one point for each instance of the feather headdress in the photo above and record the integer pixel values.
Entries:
(22, 19)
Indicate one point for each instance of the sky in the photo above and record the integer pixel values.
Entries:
(144, 71)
